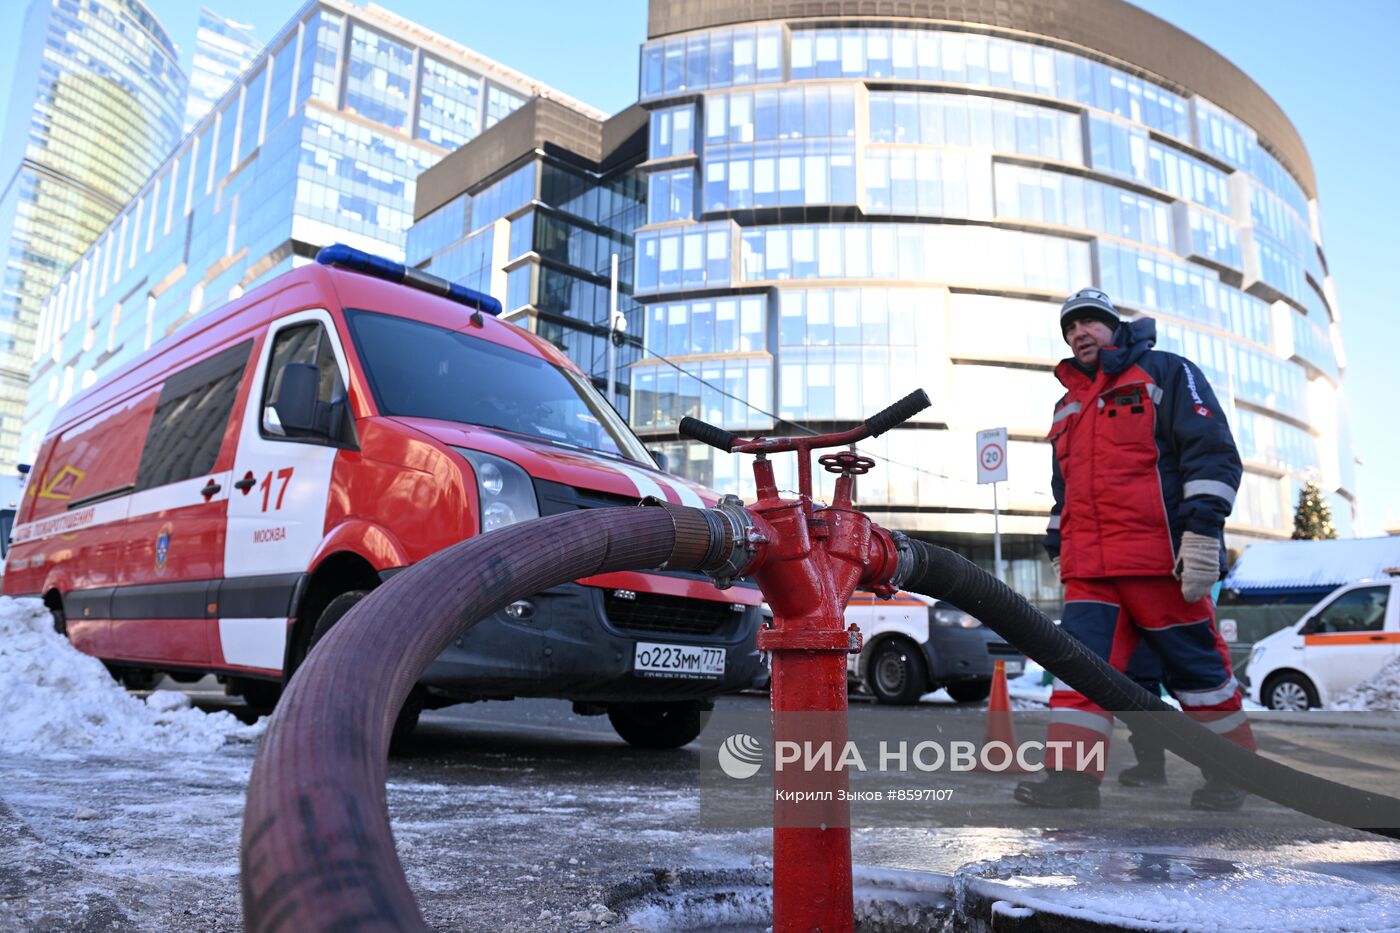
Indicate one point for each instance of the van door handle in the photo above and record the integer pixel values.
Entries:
(209, 490)
(246, 483)
(1377, 638)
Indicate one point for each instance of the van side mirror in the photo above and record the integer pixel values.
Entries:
(1315, 626)
(294, 402)
(662, 462)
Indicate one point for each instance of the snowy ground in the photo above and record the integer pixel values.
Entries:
(118, 813)
(55, 701)
(1381, 692)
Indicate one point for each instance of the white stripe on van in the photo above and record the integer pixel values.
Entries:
(646, 486)
(254, 642)
(88, 516)
(689, 497)
(134, 505)
(178, 495)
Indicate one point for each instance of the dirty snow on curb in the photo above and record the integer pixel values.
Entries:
(55, 700)
(1381, 692)
(1173, 892)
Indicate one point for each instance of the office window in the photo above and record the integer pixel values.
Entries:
(449, 104)
(671, 196)
(672, 132)
(252, 114)
(500, 104)
(380, 78)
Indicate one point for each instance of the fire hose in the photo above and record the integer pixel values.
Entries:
(317, 848)
(940, 573)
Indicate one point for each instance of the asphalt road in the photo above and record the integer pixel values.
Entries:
(523, 816)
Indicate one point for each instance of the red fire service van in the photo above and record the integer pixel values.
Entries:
(215, 505)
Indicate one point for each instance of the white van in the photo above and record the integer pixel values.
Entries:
(914, 644)
(1343, 640)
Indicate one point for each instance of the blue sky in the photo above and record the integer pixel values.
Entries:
(1331, 67)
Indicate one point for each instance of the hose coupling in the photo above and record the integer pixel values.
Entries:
(906, 563)
(741, 539)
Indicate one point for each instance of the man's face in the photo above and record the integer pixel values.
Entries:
(1085, 337)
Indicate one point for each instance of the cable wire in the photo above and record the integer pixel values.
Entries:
(801, 427)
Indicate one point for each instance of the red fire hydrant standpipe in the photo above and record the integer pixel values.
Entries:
(808, 561)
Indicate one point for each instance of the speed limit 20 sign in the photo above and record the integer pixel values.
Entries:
(991, 456)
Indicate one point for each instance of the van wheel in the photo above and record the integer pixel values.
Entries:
(137, 678)
(60, 620)
(970, 691)
(261, 695)
(407, 720)
(1292, 692)
(896, 673)
(658, 725)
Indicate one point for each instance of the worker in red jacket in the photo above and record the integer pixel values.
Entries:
(1145, 472)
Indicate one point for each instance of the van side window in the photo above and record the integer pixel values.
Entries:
(1358, 610)
(190, 419)
(305, 343)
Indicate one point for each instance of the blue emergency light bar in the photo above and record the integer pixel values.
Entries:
(355, 260)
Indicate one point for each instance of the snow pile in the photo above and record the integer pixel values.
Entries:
(1030, 689)
(55, 698)
(1381, 692)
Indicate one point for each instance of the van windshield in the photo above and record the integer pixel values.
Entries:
(419, 370)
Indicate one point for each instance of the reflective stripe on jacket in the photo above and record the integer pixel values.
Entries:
(1142, 452)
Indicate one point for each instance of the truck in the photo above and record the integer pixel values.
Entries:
(215, 505)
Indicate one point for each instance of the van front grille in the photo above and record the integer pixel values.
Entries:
(654, 614)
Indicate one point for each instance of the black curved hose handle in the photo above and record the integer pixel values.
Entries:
(898, 413)
(703, 431)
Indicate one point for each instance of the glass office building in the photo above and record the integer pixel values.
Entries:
(320, 141)
(842, 208)
(533, 212)
(94, 108)
(223, 50)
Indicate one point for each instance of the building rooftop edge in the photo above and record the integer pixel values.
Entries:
(158, 33)
(486, 64)
(1113, 28)
(539, 123)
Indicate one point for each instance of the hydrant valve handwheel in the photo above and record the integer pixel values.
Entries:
(846, 463)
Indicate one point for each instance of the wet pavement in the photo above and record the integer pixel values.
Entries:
(522, 816)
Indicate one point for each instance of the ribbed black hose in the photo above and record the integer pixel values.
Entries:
(317, 850)
(941, 574)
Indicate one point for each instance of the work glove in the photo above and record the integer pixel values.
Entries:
(1055, 563)
(1197, 565)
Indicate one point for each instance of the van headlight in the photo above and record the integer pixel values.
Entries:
(504, 491)
(948, 615)
(1254, 655)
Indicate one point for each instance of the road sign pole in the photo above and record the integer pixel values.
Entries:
(991, 468)
(996, 535)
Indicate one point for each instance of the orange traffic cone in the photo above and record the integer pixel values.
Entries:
(1000, 728)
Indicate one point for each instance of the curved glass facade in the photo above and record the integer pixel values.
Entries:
(838, 215)
(108, 93)
(320, 140)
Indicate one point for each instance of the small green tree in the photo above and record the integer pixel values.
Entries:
(1312, 520)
